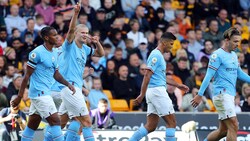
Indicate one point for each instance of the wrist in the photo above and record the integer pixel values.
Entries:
(20, 96)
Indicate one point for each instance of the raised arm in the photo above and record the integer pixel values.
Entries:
(99, 51)
(26, 78)
(72, 25)
(242, 75)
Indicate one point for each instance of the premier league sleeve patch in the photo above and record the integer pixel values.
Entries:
(154, 60)
(213, 58)
(33, 55)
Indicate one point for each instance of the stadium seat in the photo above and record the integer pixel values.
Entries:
(119, 105)
(108, 94)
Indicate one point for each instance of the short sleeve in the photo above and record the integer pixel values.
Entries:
(66, 44)
(34, 58)
(214, 61)
(152, 62)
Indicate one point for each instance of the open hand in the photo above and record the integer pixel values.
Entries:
(72, 88)
(138, 100)
(14, 103)
(196, 101)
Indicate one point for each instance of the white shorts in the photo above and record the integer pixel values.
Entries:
(43, 106)
(74, 105)
(159, 102)
(224, 104)
(57, 98)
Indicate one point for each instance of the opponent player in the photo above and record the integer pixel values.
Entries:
(154, 86)
(41, 68)
(76, 52)
(225, 69)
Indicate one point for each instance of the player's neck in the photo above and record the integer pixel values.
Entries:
(160, 49)
(48, 46)
(79, 44)
(225, 49)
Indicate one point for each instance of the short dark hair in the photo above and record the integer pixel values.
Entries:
(46, 31)
(107, 45)
(231, 32)
(202, 70)
(3, 29)
(29, 19)
(208, 41)
(168, 35)
(103, 100)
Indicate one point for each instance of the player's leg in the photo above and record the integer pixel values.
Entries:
(232, 128)
(171, 125)
(85, 123)
(29, 131)
(217, 134)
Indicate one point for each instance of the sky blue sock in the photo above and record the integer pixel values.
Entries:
(139, 134)
(47, 135)
(28, 134)
(56, 133)
(205, 139)
(72, 131)
(170, 134)
(88, 134)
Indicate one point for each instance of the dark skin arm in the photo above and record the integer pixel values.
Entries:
(180, 86)
(58, 77)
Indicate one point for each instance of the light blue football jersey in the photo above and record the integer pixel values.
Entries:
(44, 63)
(61, 63)
(157, 64)
(226, 65)
(75, 60)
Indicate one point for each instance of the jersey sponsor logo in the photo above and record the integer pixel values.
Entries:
(80, 62)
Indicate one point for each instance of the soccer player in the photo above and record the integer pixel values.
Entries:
(76, 52)
(154, 86)
(225, 69)
(41, 68)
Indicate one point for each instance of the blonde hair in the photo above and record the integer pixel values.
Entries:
(80, 26)
(244, 86)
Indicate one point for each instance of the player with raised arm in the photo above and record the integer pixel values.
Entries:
(76, 52)
(154, 87)
(41, 69)
(225, 69)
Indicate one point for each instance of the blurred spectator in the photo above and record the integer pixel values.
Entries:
(30, 28)
(3, 37)
(27, 10)
(65, 9)
(187, 107)
(149, 10)
(133, 65)
(17, 46)
(140, 17)
(83, 19)
(172, 95)
(14, 20)
(241, 60)
(3, 65)
(46, 10)
(96, 4)
(194, 82)
(98, 68)
(2, 22)
(183, 22)
(237, 104)
(109, 75)
(40, 22)
(101, 24)
(10, 71)
(112, 10)
(87, 9)
(14, 121)
(124, 83)
(195, 67)
(189, 9)
(170, 71)
(135, 34)
(169, 11)
(4, 102)
(224, 23)
(15, 33)
(119, 61)
(107, 55)
(159, 22)
(25, 102)
(199, 36)
(142, 50)
(181, 53)
(155, 4)
(158, 34)
(205, 10)
(129, 43)
(246, 105)
(128, 7)
(14, 86)
(60, 25)
(232, 6)
(193, 45)
(202, 25)
(204, 61)
(180, 69)
(151, 40)
(115, 40)
(190, 56)
(28, 45)
(245, 90)
(139, 77)
(214, 34)
(102, 117)
(4, 8)
(207, 50)
(121, 25)
(244, 49)
(96, 94)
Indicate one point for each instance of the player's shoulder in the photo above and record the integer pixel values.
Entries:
(217, 53)
(155, 52)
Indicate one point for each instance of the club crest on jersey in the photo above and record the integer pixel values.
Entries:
(33, 55)
(214, 56)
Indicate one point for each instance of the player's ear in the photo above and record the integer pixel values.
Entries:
(46, 38)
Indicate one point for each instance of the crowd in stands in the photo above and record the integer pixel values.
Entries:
(129, 31)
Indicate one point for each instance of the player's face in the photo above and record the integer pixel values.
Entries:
(53, 37)
(82, 34)
(234, 42)
(168, 45)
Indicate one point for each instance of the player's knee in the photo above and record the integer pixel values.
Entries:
(53, 120)
(85, 121)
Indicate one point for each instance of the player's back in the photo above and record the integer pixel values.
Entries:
(157, 64)
(226, 65)
(44, 63)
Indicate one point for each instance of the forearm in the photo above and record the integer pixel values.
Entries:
(145, 84)
(58, 77)
(209, 75)
(22, 88)
(243, 76)
(99, 49)
(172, 82)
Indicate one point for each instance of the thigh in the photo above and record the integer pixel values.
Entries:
(34, 121)
(170, 120)
(75, 104)
(84, 120)
(64, 120)
(53, 119)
